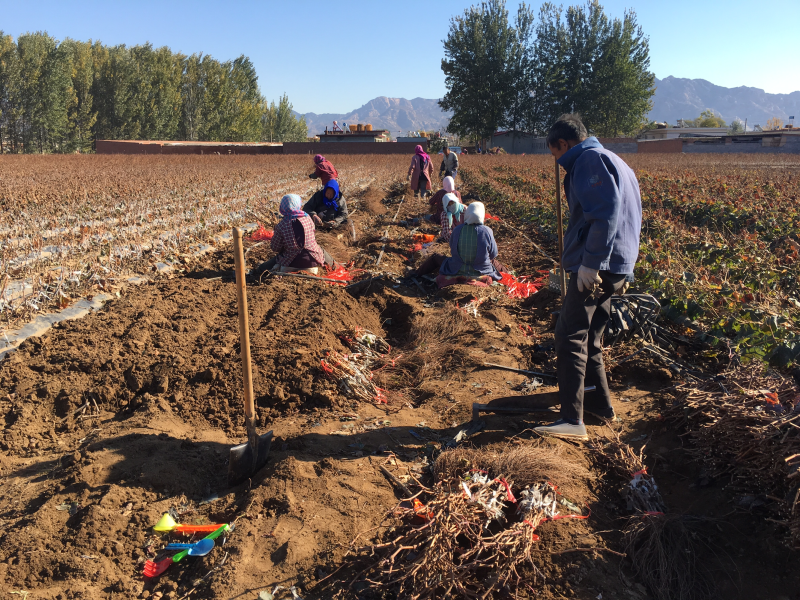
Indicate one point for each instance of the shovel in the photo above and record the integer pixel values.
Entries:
(245, 459)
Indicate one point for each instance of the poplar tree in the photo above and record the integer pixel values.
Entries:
(60, 97)
(478, 67)
(81, 115)
(280, 125)
(524, 76)
(11, 110)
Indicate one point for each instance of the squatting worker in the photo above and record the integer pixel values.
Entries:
(323, 170)
(473, 250)
(294, 241)
(454, 214)
(448, 187)
(600, 249)
(419, 172)
(327, 207)
(449, 164)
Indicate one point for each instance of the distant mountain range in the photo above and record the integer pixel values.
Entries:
(678, 98)
(398, 115)
(675, 98)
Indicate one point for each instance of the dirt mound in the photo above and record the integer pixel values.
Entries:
(176, 348)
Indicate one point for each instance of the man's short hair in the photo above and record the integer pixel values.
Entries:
(569, 128)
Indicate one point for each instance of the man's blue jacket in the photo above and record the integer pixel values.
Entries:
(605, 210)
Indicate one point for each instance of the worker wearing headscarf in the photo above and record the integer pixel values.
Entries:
(328, 207)
(323, 170)
(448, 187)
(419, 172)
(472, 248)
(294, 241)
(452, 215)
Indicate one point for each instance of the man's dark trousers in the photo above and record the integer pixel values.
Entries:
(579, 347)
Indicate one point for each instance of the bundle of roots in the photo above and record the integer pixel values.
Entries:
(353, 372)
(472, 538)
(641, 492)
(744, 428)
(475, 535)
(661, 546)
(663, 553)
(435, 343)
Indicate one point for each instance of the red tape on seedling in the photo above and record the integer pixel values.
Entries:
(489, 217)
(340, 273)
(509, 495)
(519, 288)
(261, 234)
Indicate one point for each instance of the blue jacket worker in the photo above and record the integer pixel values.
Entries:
(601, 246)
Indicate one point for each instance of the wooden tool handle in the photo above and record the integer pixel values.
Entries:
(562, 275)
(244, 326)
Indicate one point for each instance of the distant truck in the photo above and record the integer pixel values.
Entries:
(454, 149)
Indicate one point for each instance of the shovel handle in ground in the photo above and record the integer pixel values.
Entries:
(244, 324)
(245, 459)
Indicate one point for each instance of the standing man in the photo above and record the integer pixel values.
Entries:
(601, 246)
(449, 166)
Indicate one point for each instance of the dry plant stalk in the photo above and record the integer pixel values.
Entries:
(662, 551)
(660, 546)
(745, 428)
(524, 464)
(436, 348)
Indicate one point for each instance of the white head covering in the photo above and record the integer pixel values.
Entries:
(475, 214)
(448, 198)
(448, 184)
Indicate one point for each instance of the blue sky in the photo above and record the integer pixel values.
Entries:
(336, 56)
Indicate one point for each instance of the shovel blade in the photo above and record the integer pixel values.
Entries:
(248, 458)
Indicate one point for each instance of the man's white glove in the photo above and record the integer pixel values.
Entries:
(588, 279)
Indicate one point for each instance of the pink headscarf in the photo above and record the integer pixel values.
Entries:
(325, 170)
(448, 184)
(420, 152)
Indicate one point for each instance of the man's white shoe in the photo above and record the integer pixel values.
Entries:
(563, 429)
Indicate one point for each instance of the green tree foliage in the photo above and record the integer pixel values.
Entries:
(60, 97)
(524, 76)
(10, 103)
(44, 92)
(548, 78)
(278, 123)
(622, 85)
(480, 51)
(707, 118)
(737, 126)
(81, 115)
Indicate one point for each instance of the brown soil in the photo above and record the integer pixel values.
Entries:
(82, 491)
